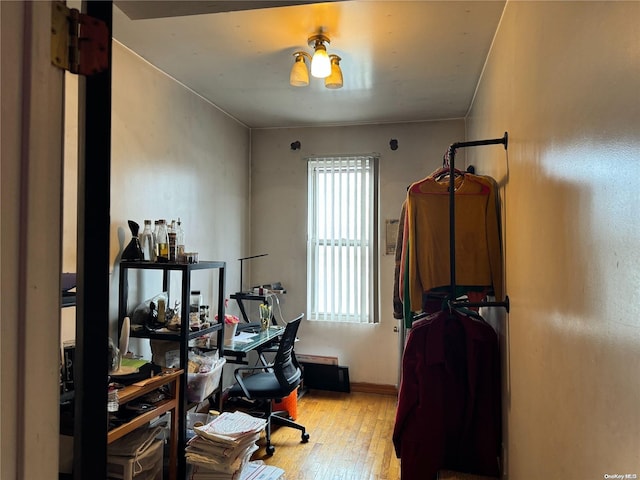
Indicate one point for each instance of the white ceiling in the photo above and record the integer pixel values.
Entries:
(401, 60)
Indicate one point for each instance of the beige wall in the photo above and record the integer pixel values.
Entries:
(564, 80)
(176, 155)
(173, 155)
(279, 199)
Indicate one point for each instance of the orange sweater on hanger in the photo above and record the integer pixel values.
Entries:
(478, 239)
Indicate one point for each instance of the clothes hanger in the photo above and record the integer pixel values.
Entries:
(444, 171)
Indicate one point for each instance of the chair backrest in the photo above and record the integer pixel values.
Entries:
(285, 365)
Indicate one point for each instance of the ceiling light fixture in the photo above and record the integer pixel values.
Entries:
(323, 65)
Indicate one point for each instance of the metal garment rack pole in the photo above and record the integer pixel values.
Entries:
(451, 154)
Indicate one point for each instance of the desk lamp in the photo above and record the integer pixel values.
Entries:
(248, 258)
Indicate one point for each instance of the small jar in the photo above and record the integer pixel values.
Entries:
(204, 313)
(195, 302)
(113, 402)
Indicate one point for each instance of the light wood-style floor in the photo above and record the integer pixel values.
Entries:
(350, 438)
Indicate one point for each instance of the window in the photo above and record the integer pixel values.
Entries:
(342, 247)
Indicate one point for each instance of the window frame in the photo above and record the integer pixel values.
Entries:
(371, 242)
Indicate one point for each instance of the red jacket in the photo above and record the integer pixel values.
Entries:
(449, 413)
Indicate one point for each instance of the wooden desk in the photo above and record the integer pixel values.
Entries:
(136, 390)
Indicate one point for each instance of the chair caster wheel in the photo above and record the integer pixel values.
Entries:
(305, 437)
(270, 449)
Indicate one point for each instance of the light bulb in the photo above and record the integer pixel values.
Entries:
(320, 63)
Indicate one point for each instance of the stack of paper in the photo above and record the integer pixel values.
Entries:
(223, 447)
(255, 470)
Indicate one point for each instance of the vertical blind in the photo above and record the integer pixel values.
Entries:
(341, 243)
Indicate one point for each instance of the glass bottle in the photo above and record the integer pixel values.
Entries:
(163, 242)
(179, 242)
(155, 239)
(171, 233)
(146, 243)
(172, 246)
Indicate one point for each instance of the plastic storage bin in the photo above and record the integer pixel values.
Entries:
(201, 385)
(197, 418)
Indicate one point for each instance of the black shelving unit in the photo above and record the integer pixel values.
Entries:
(184, 335)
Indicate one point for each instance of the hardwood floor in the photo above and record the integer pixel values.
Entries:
(350, 439)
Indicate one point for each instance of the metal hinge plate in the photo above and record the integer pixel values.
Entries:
(79, 43)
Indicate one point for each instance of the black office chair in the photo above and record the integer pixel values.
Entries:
(273, 382)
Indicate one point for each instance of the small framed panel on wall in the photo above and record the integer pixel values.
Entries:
(391, 236)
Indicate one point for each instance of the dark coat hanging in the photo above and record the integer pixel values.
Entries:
(449, 413)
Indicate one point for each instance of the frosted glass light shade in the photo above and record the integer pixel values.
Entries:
(335, 79)
(299, 76)
(320, 63)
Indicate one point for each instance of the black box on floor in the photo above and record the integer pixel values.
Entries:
(325, 377)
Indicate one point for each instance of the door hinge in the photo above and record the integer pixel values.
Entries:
(79, 43)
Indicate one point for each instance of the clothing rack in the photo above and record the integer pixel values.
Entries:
(451, 156)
